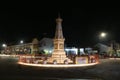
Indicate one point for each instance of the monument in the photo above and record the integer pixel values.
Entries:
(58, 55)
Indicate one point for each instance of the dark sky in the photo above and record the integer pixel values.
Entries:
(81, 26)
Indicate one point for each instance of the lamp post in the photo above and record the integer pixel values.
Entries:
(112, 49)
(103, 37)
(22, 47)
(102, 40)
(4, 47)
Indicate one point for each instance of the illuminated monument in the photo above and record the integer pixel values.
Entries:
(58, 54)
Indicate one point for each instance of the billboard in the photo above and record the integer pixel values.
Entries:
(81, 60)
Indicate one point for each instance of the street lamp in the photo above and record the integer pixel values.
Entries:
(4, 45)
(103, 34)
(102, 40)
(4, 48)
(21, 42)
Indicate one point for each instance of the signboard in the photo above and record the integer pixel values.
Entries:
(81, 60)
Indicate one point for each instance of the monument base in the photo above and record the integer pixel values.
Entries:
(59, 57)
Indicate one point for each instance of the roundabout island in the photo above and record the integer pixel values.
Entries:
(58, 57)
(59, 65)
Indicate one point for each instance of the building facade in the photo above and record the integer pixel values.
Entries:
(28, 48)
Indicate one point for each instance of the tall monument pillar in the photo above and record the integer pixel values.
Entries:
(58, 54)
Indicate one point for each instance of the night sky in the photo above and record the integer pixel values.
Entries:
(81, 26)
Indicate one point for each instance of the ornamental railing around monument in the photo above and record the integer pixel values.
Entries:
(38, 59)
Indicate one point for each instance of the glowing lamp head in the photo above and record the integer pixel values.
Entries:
(103, 34)
(21, 41)
(4, 45)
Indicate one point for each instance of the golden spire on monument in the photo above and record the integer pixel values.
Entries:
(59, 33)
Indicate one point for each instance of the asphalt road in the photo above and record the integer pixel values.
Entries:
(107, 70)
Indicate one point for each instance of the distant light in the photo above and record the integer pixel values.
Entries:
(103, 34)
(82, 51)
(21, 41)
(72, 49)
(4, 45)
(46, 51)
(50, 51)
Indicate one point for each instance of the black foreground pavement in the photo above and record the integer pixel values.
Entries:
(107, 70)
